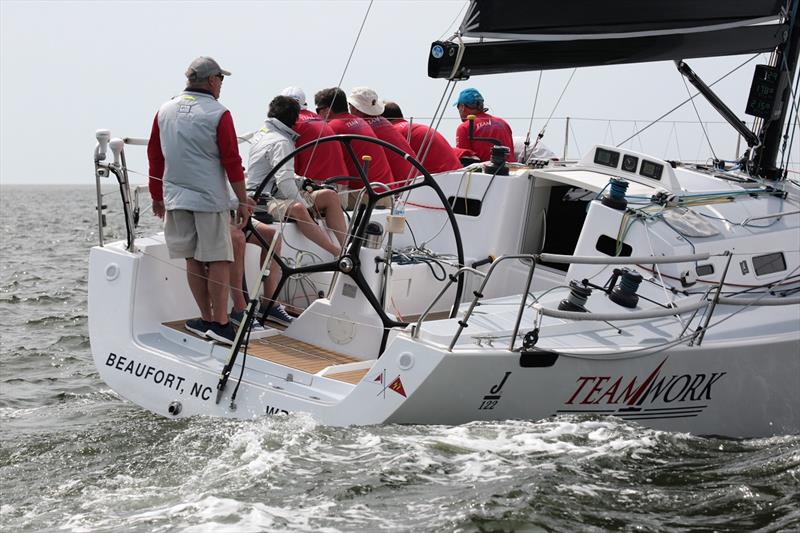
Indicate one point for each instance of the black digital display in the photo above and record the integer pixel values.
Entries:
(651, 170)
(607, 158)
(763, 91)
(629, 163)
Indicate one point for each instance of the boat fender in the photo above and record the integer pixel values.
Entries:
(174, 408)
(537, 358)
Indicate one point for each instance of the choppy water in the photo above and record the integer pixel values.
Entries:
(74, 456)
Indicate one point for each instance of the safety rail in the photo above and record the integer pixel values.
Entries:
(533, 259)
(120, 170)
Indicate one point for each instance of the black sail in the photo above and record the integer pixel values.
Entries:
(534, 35)
(495, 18)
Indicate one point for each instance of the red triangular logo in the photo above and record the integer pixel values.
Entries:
(397, 386)
(379, 378)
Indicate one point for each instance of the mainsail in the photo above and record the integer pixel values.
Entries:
(520, 36)
(498, 36)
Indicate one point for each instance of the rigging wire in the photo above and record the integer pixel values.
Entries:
(687, 100)
(341, 78)
(427, 140)
(463, 6)
(530, 124)
(566, 86)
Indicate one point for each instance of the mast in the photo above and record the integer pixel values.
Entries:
(765, 155)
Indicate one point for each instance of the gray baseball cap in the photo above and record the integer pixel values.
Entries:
(203, 68)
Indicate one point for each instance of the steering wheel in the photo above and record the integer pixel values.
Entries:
(348, 263)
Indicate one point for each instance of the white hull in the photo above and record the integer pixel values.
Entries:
(738, 378)
(717, 388)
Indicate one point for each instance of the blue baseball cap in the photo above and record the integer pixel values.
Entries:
(469, 97)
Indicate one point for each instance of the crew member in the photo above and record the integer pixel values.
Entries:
(432, 149)
(364, 103)
(326, 160)
(193, 148)
(331, 105)
(470, 102)
(271, 145)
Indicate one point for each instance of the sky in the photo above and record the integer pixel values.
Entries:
(68, 68)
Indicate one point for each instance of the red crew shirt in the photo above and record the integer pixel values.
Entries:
(401, 169)
(328, 160)
(486, 126)
(379, 169)
(439, 156)
(228, 155)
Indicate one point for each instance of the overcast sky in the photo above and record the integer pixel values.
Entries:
(69, 68)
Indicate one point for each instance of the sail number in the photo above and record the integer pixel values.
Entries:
(490, 400)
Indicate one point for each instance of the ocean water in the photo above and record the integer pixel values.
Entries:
(74, 456)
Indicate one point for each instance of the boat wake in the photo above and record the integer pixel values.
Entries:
(129, 469)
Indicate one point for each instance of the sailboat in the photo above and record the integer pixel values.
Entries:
(621, 284)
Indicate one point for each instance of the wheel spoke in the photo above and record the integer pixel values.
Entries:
(356, 162)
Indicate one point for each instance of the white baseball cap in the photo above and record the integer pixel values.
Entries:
(297, 93)
(366, 100)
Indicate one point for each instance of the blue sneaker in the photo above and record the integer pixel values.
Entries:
(223, 334)
(237, 317)
(277, 315)
(198, 326)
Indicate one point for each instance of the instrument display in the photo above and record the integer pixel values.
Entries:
(651, 170)
(608, 158)
(629, 163)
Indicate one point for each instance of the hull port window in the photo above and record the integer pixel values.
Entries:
(609, 246)
(470, 207)
(705, 270)
(769, 264)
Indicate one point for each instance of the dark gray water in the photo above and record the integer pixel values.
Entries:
(76, 457)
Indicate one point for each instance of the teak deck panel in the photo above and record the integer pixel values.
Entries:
(353, 376)
(293, 353)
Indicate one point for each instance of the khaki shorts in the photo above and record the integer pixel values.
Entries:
(205, 237)
(278, 208)
(349, 200)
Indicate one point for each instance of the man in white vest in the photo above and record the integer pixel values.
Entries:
(193, 155)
